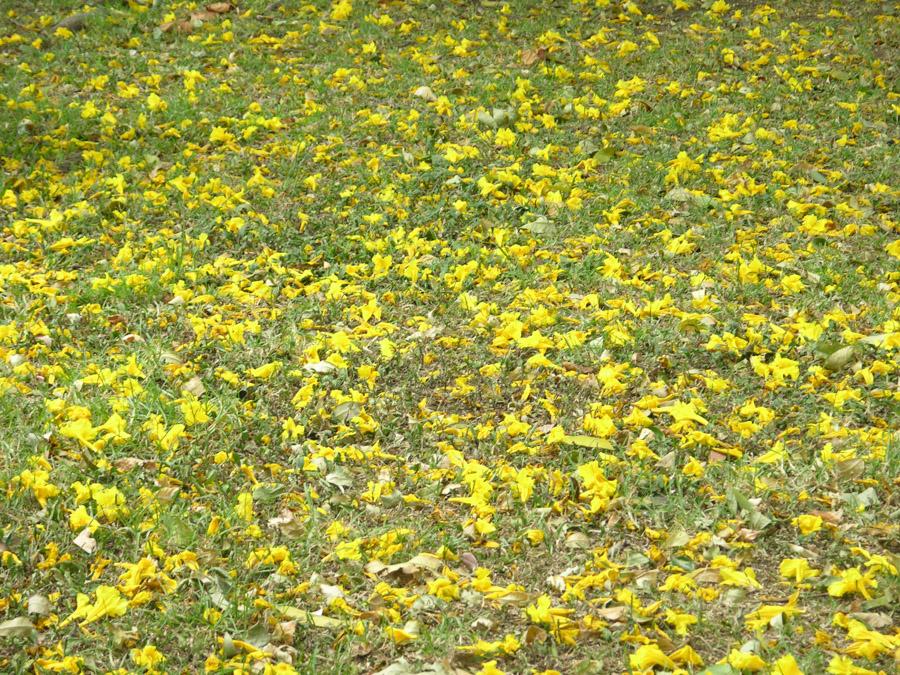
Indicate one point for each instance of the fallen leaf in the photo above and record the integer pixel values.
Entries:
(85, 541)
(340, 478)
(613, 613)
(125, 464)
(425, 93)
(18, 627)
(876, 340)
(517, 598)
(203, 15)
(874, 620)
(541, 225)
(832, 517)
(677, 539)
(288, 523)
(74, 23)
(194, 386)
(577, 540)
(535, 635)
(840, 358)
(532, 56)
(345, 412)
(39, 605)
(306, 618)
(415, 566)
(469, 561)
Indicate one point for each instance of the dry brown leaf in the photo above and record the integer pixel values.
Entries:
(203, 16)
(194, 386)
(832, 517)
(532, 56)
(167, 494)
(125, 464)
(874, 620)
(715, 457)
(415, 566)
(288, 523)
(747, 535)
(181, 26)
(284, 632)
(374, 567)
(424, 92)
(535, 635)
(469, 561)
(305, 618)
(613, 614)
(710, 576)
(219, 7)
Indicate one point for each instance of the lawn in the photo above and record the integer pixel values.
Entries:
(455, 337)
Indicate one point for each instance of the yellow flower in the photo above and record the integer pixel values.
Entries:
(147, 657)
(144, 573)
(684, 414)
(490, 668)
(509, 645)
(341, 10)
(194, 412)
(761, 617)
(504, 138)
(38, 482)
(244, 508)
(841, 665)
(853, 581)
(686, 656)
(807, 524)
(680, 621)
(349, 550)
(156, 104)
(82, 430)
(68, 664)
(114, 429)
(596, 486)
(80, 519)
(399, 636)
(786, 665)
(534, 536)
(444, 589)
(265, 371)
(745, 661)
(108, 602)
(220, 135)
(693, 468)
(602, 426)
(797, 569)
(791, 284)
(650, 656)
(110, 502)
(542, 612)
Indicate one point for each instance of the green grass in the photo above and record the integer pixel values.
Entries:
(415, 409)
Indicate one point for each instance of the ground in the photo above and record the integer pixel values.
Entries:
(451, 337)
